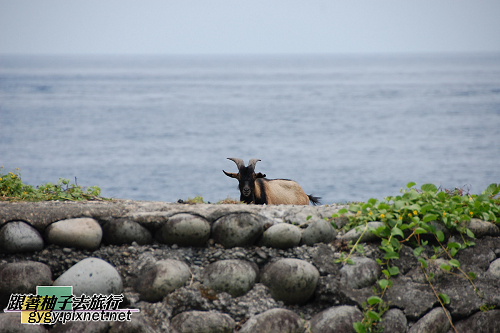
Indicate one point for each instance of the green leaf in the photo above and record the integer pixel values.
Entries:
(359, 327)
(470, 233)
(417, 251)
(452, 245)
(454, 263)
(445, 267)
(383, 283)
(440, 236)
(420, 231)
(397, 232)
(444, 298)
(374, 300)
(472, 275)
(393, 270)
(308, 217)
(429, 188)
(373, 315)
(349, 262)
(411, 184)
(391, 255)
(343, 211)
(423, 262)
(429, 217)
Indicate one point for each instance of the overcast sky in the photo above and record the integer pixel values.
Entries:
(242, 27)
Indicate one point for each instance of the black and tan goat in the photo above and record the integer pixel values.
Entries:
(257, 189)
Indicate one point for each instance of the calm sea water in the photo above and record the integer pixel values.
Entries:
(161, 127)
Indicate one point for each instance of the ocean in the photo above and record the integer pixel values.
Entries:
(345, 127)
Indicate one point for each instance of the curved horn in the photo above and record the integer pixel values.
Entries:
(252, 163)
(239, 162)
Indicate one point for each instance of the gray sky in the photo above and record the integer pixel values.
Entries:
(242, 27)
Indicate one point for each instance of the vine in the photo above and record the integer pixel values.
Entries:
(407, 218)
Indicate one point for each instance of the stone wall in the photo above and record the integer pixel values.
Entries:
(228, 268)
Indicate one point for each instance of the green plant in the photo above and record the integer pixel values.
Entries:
(406, 219)
(196, 200)
(13, 189)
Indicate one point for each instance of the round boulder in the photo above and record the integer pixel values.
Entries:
(291, 280)
(82, 233)
(19, 236)
(161, 278)
(274, 321)
(282, 236)
(22, 278)
(202, 322)
(233, 276)
(363, 273)
(336, 319)
(125, 231)
(185, 230)
(92, 276)
(238, 229)
(320, 231)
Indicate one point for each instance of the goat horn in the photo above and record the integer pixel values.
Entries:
(239, 162)
(252, 163)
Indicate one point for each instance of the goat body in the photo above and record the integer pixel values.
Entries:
(257, 189)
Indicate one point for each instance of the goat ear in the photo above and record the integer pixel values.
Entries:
(260, 175)
(232, 175)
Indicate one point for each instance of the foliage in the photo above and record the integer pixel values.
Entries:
(406, 219)
(13, 189)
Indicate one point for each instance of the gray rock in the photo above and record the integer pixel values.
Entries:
(91, 276)
(415, 299)
(162, 278)
(354, 234)
(81, 233)
(336, 319)
(480, 322)
(481, 228)
(19, 236)
(291, 280)
(185, 230)
(202, 322)
(22, 278)
(239, 229)
(81, 327)
(233, 276)
(394, 321)
(11, 323)
(282, 236)
(494, 268)
(274, 321)
(435, 321)
(363, 273)
(138, 324)
(124, 231)
(319, 231)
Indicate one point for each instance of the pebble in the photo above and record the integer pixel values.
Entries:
(82, 233)
(281, 235)
(202, 321)
(291, 280)
(274, 321)
(336, 319)
(233, 276)
(161, 278)
(184, 230)
(92, 276)
(18, 236)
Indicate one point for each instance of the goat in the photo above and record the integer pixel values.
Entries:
(257, 189)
